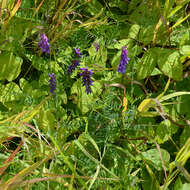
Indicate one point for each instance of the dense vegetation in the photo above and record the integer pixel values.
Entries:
(95, 94)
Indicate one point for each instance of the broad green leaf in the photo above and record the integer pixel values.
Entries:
(10, 66)
(134, 30)
(39, 63)
(134, 51)
(94, 7)
(146, 34)
(84, 101)
(148, 181)
(116, 60)
(98, 57)
(154, 157)
(169, 64)
(146, 65)
(119, 3)
(9, 92)
(185, 186)
(164, 130)
(34, 111)
(185, 50)
(55, 67)
(183, 106)
(178, 184)
(185, 135)
(17, 28)
(46, 120)
(155, 72)
(129, 43)
(144, 14)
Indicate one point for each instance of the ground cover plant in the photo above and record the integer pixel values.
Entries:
(95, 94)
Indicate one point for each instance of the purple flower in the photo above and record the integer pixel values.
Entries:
(96, 45)
(43, 43)
(78, 53)
(52, 83)
(72, 66)
(86, 79)
(124, 60)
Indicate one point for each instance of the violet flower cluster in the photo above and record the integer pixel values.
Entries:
(73, 66)
(75, 63)
(52, 83)
(86, 74)
(78, 53)
(124, 60)
(86, 79)
(96, 45)
(43, 43)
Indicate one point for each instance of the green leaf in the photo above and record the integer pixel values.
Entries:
(94, 7)
(177, 8)
(9, 184)
(185, 186)
(184, 136)
(46, 120)
(147, 64)
(169, 64)
(129, 43)
(185, 50)
(175, 94)
(146, 34)
(84, 101)
(155, 72)
(10, 66)
(39, 63)
(18, 26)
(178, 184)
(149, 181)
(154, 157)
(98, 57)
(164, 130)
(134, 30)
(9, 92)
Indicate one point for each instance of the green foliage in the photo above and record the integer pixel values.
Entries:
(131, 132)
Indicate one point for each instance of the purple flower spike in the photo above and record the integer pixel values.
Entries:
(86, 79)
(124, 60)
(52, 83)
(43, 43)
(78, 53)
(72, 67)
(96, 45)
